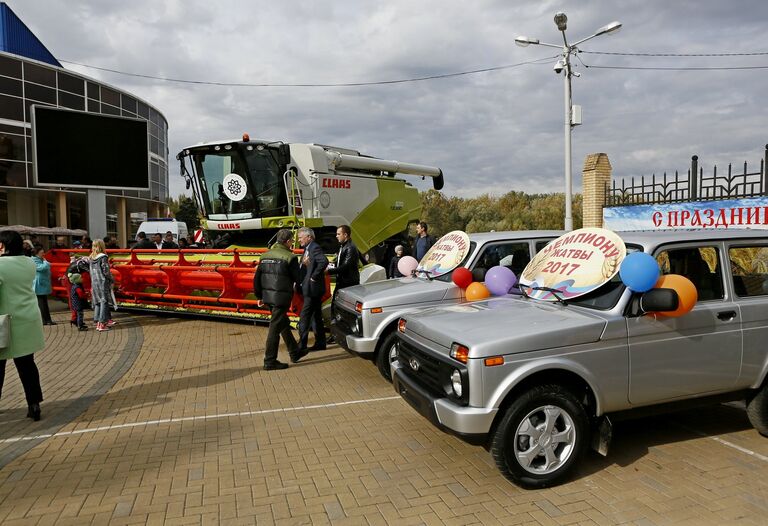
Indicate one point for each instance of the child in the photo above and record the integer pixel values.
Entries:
(77, 299)
(393, 272)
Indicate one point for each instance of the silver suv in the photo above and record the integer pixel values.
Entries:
(534, 381)
(365, 316)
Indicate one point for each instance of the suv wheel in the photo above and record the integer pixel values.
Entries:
(757, 410)
(387, 352)
(541, 437)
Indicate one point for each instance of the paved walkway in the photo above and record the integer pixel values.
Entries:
(173, 421)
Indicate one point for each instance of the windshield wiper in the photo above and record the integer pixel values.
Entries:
(426, 273)
(555, 292)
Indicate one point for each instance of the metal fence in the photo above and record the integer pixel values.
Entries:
(693, 186)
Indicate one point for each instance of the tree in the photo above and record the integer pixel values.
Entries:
(187, 212)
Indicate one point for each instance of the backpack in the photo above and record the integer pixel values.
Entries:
(78, 266)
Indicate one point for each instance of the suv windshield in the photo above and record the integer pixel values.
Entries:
(265, 196)
(605, 296)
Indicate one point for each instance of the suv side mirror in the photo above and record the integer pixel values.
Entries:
(659, 300)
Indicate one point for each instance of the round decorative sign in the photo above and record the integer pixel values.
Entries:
(573, 264)
(445, 255)
(325, 199)
(234, 187)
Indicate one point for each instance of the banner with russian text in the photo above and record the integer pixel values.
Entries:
(731, 213)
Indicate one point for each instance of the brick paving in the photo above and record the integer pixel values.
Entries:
(173, 421)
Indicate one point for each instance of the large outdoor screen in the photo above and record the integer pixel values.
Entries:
(78, 149)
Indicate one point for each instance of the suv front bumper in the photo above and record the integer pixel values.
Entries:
(470, 423)
(353, 343)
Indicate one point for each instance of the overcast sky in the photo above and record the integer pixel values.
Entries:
(490, 132)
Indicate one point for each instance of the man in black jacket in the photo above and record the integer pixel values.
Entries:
(273, 283)
(345, 270)
(312, 273)
(142, 241)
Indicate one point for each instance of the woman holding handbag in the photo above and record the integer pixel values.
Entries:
(21, 327)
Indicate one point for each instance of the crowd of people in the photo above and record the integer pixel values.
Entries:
(25, 283)
(280, 273)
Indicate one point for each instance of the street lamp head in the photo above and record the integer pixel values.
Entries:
(525, 41)
(561, 20)
(613, 27)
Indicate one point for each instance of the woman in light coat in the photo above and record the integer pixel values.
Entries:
(42, 283)
(17, 272)
(101, 286)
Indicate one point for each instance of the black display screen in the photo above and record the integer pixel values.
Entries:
(74, 148)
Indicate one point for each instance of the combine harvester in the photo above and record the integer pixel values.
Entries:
(247, 190)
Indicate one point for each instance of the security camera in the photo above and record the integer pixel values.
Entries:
(559, 66)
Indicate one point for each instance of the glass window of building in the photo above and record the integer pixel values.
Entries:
(13, 173)
(39, 75)
(39, 93)
(11, 108)
(67, 100)
(10, 67)
(71, 84)
(110, 96)
(11, 87)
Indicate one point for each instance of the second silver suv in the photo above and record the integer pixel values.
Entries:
(365, 316)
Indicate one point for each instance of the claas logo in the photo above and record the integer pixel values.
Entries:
(342, 184)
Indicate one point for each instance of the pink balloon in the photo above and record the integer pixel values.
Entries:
(407, 265)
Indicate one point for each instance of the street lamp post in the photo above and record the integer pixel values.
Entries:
(563, 65)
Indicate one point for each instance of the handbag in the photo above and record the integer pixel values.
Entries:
(5, 330)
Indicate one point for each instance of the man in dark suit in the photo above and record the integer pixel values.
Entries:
(312, 275)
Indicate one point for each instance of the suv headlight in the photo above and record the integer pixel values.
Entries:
(458, 389)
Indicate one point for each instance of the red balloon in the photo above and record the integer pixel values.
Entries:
(462, 277)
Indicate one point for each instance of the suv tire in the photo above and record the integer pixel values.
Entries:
(384, 355)
(757, 410)
(541, 437)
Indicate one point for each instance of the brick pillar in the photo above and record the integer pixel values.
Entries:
(595, 177)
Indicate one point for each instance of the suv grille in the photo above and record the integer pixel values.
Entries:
(432, 373)
(345, 320)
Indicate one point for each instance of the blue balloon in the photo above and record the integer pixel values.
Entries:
(639, 272)
(498, 280)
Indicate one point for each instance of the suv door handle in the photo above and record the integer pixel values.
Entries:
(726, 315)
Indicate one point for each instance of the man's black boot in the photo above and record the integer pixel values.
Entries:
(275, 366)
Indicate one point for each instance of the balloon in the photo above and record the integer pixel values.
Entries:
(499, 280)
(477, 291)
(407, 265)
(462, 277)
(685, 289)
(639, 272)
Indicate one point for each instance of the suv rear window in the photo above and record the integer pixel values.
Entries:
(749, 266)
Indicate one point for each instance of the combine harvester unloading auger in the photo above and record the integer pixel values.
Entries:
(247, 190)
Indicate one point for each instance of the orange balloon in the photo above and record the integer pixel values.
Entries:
(686, 292)
(477, 291)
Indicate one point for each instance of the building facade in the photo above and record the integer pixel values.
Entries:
(25, 82)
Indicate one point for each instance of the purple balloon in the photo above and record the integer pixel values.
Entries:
(407, 265)
(499, 280)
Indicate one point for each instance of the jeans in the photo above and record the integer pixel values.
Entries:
(101, 311)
